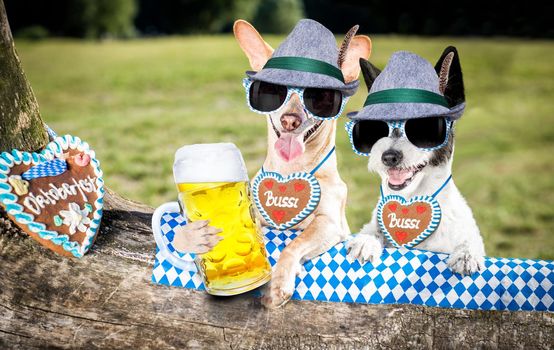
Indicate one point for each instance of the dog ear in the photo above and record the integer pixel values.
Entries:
(252, 43)
(451, 82)
(352, 49)
(369, 71)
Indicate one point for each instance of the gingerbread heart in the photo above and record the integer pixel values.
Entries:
(285, 201)
(56, 196)
(407, 223)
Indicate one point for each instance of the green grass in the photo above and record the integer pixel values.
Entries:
(137, 101)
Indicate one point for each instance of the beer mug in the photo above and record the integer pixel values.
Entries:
(213, 185)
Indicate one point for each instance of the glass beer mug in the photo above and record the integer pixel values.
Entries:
(213, 185)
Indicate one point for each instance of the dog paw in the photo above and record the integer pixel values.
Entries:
(364, 248)
(465, 263)
(281, 288)
(276, 298)
(278, 295)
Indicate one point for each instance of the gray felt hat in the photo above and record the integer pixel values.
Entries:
(307, 58)
(409, 88)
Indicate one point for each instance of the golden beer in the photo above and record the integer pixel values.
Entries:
(238, 263)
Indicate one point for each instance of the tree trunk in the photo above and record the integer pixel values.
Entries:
(106, 299)
(20, 124)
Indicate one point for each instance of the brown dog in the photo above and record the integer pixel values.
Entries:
(327, 225)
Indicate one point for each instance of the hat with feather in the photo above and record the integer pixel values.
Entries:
(409, 87)
(298, 62)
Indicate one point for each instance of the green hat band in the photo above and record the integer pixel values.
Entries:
(304, 64)
(405, 96)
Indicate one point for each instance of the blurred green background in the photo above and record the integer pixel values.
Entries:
(137, 101)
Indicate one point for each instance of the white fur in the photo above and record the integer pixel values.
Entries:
(457, 233)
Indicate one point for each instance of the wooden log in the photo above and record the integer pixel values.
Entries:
(106, 300)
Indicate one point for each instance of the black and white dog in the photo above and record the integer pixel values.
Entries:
(414, 156)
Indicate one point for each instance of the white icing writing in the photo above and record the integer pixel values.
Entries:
(281, 202)
(403, 223)
(35, 203)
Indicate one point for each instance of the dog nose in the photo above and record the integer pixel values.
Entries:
(392, 157)
(290, 122)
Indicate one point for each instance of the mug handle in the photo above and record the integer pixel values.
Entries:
(172, 207)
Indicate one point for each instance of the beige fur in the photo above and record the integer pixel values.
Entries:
(327, 225)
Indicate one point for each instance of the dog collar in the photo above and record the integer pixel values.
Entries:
(305, 64)
(406, 223)
(285, 201)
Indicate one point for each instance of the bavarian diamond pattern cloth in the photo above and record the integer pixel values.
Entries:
(52, 167)
(402, 276)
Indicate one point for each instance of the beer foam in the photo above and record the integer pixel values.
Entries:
(209, 162)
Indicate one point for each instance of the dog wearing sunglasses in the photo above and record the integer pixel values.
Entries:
(301, 126)
(413, 156)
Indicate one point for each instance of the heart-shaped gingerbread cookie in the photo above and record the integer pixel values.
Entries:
(285, 201)
(56, 196)
(407, 223)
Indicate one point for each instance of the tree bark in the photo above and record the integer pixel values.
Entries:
(20, 124)
(106, 299)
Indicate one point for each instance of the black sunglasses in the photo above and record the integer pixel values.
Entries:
(428, 134)
(266, 97)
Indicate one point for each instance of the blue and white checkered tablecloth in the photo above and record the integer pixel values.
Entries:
(402, 276)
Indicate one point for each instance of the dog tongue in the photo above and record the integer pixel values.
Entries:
(399, 176)
(289, 147)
